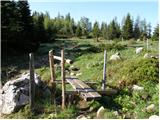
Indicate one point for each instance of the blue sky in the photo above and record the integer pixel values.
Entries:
(102, 10)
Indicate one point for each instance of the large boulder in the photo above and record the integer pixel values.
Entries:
(15, 93)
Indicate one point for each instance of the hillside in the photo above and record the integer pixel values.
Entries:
(87, 55)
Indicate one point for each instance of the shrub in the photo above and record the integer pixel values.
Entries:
(140, 70)
(131, 42)
(111, 46)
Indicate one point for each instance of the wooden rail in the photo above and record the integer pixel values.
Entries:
(65, 60)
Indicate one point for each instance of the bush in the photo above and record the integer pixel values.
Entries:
(131, 42)
(140, 70)
(112, 46)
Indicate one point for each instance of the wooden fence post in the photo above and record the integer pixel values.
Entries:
(31, 81)
(53, 84)
(63, 78)
(147, 44)
(104, 72)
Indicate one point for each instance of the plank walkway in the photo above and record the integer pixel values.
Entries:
(85, 91)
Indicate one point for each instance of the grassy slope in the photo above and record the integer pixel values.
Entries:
(90, 61)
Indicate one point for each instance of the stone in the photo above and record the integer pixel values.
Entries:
(151, 108)
(71, 66)
(139, 50)
(115, 57)
(78, 74)
(72, 74)
(138, 40)
(15, 93)
(115, 113)
(81, 117)
(100, 112)
(147, 55)
(137, 88)
(154, 117)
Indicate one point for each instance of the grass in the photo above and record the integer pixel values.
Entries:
(88, 56)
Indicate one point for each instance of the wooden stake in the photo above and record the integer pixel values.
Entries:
(63, 79)
(104, 72)
(147, 44)
(31, 81)
(53, 78)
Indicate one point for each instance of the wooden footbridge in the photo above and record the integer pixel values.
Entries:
(79, 86)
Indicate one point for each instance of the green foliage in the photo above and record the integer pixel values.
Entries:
(79, 31)
(94, 105)
(111, 46)
(155, 36)
(113, 30)
(68, 113)
(127, 30)
(96, 30)
(17, 28)
(104, 30)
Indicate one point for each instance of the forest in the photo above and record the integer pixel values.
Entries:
(116, 61)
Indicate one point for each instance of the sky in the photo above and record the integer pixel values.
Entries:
(99, 10)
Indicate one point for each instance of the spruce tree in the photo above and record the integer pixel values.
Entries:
(96, 30)
(155, 36)
(127, 29)
(104, 30)
(79, 31)
(136, 31)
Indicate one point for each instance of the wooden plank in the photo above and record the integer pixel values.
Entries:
(82, 88)
(60, 82)
(86, 88)
(82, 84)
(31, 82)
(73, 83)
(106, 92)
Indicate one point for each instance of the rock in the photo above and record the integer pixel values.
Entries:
(81, 117)
(147, 55)
(72, 74)
(139, 50)
(115, 57)
(100, 112)
(71, 66)
(137, 88)
(127, 115)
(15, 93)
(151, 108)
(138, 40)
(154, 117)
(78, 74)
(115, 113)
